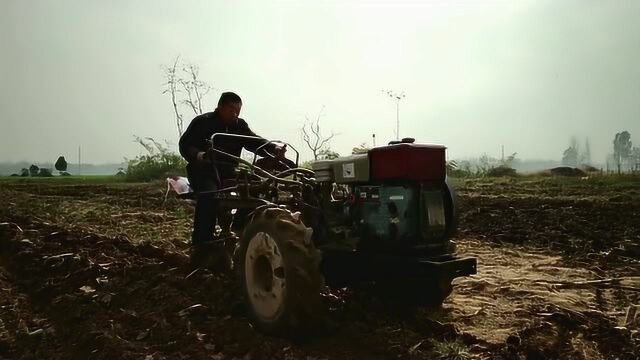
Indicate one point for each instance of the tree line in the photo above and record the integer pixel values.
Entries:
(35, 171)
(624, 155)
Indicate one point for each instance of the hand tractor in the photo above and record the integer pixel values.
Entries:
(384, 217)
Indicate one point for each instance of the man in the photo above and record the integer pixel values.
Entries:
(206, 172)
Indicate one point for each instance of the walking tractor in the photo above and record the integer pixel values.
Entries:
(384, 218)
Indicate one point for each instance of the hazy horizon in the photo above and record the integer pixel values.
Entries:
(9, 168)
(528, 75)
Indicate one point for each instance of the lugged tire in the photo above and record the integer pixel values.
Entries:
(299, 307)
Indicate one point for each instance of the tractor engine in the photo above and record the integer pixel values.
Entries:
(393, 199)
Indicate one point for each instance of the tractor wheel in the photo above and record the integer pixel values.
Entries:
(279, 270)
(430, 293)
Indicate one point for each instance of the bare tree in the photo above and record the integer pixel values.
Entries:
(172, 89)
(586, 156)
(635, 154)
(313, 138)
(194, 88)
(185, 79)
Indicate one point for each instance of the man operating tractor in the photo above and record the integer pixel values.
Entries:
(389, 226)
(207, 173)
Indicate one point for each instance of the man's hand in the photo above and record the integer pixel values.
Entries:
(203, 158)
(280, 151)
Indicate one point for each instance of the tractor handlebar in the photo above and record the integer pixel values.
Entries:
(261, 147)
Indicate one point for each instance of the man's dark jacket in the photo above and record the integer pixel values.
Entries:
(202, 127)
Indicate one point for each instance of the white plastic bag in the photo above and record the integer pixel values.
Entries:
(179, 184)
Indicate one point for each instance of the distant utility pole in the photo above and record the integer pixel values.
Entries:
(79, 159)
(374, 140)
(397, 96)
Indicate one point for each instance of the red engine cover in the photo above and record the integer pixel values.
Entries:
(408, 161)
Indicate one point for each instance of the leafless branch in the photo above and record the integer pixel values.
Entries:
(200, 88)
(185, 79)
(312, 135)
(172, 89)
(189, 89)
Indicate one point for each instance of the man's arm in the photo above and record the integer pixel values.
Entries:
(253, 144)
(190, 140)
(288, 163)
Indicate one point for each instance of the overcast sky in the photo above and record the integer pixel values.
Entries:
(477, 74)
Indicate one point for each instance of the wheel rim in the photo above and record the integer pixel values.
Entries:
(264, 275)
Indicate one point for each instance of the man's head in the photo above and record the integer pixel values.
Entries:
(229, 107)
